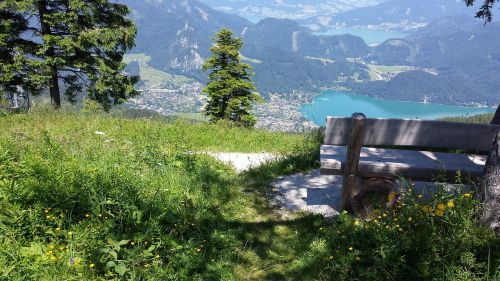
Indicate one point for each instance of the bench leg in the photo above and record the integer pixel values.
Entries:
(352, 158)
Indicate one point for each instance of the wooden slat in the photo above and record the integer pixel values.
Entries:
(390, 163)
(421, 133)
(336, 131)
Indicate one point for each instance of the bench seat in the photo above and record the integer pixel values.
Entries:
(413, 164)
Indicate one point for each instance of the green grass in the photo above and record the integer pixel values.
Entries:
(153, 77)
(95, 197)
(480, 118)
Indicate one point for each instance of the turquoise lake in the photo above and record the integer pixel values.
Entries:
(334, 103)
(370, 36)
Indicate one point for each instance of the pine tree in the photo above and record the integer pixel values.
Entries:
(18, 70)
(230, 91)
(81, 44)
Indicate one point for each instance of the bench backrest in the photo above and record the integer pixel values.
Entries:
(420, 133)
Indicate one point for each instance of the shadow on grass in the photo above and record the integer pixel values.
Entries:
(278, 248)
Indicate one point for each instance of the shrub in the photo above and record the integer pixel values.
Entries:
(436, 239)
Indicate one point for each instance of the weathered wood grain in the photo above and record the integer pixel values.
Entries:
(352, 157)
(491, 188)
(420, 133)
(390, 163)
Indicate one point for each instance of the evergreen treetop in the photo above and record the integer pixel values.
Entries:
(230, 91)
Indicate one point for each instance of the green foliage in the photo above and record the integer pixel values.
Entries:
(88, 197)
(422, 239)
(91, 197)
(485, 12)
(230, 90)
(17, 69)
(480, 118)
(81, 43)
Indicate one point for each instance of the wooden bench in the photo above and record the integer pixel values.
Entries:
(344, 150)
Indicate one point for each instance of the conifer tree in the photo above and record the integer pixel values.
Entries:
(230, 91)
(81, 44)
(485, 11)
(18, 71)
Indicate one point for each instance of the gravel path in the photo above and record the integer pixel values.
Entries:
(243, 161)
(312, 192)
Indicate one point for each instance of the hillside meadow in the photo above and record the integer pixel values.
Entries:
(95, 197)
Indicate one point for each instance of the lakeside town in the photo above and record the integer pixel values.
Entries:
(277, 113)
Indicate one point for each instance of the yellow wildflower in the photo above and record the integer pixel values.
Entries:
(331, 257)
(391, 196)
(451, 204)
(439, 213)
(87, 215)
(91, 265)
(357, 222)
(350, 248)
(426, 209)
(467, 195)
(441, 206)
(57, 229)
(132, 243)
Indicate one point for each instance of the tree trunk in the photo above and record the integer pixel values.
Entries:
(54, 91)
(491, 188)
(496, 118)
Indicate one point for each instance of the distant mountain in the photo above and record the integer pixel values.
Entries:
(396, 15)
(176, 33)
(287, 9)
(451, 60)
(461, 56)
(289, 36)
(287, 56)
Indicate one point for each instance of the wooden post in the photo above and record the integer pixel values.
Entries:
(490, 196)
(352, 158)
(496, 118)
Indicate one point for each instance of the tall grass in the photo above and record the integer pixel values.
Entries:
(480, 118)
(95, 197)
